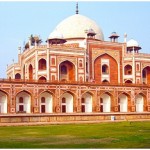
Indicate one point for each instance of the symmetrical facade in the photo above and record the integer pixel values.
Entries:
(76, 71)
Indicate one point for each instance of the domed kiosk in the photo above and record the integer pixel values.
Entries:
(133, 45)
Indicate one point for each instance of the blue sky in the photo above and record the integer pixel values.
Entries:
(18, 20)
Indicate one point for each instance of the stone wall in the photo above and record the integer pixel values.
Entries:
(75, 117)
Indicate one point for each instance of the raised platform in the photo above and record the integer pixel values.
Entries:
(59, 118)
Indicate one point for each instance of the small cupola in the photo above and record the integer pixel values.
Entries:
(56, 38)
(91, 33)
(133, 45)
(114, 37)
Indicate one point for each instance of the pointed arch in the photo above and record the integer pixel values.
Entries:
(105, 102)
(3, 102)
(46, 102)
(42, 78)
(42, 64)
(23, 102)
(105, 68)
(67, 100)
(86, 102)
(67, 71)
(123, 102)
(128, 70)
(17, 76)
(30, 72)
(146, 75)
(140, 102)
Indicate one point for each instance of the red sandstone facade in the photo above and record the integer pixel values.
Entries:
(77, 75)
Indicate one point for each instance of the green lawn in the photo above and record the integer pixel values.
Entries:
(102, 135)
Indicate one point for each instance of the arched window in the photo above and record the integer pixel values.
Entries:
(101, 100)
(63, 100)
(42, 64)
(63, 69)
(42, 99)
(128, 70)
(21, 106)
(53, 61)
(83, 100)
(17, 76)
(53, 77)
(105, 69)
(30, 72)
(20, 99)
(138, 67)
(80, 63)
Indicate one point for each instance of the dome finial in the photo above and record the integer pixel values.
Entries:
(77, 11)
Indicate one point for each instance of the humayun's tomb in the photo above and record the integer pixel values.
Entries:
(76, 76)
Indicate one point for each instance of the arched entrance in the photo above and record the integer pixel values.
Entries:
(105, 68)
(86, 103)
(3, 102)
(128, 70)
(43, 79)
(17, 76)
(123, 103)
(46, 102)
(42, 64)
(67, 71)
(67, 103)
(139, 103)
(23, 102)
(105, 103)
(146, 75)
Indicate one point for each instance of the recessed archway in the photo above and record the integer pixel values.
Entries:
(23, 102)
(67, 103)
(146, 75)
(43, 79)
(3, 102)
(42, 64)
(46, 102)
(30, 72)
(67, 71)
(123, 103)
(105, 102)
(139, 103)
(17, 76)
(86, 103)
(128, 70)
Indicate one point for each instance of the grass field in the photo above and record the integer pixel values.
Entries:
(102, 135)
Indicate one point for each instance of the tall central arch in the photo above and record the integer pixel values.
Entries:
(67, 71)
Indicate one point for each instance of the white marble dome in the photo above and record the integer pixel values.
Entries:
(56, 35)
(76, 25)
(132, 43)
